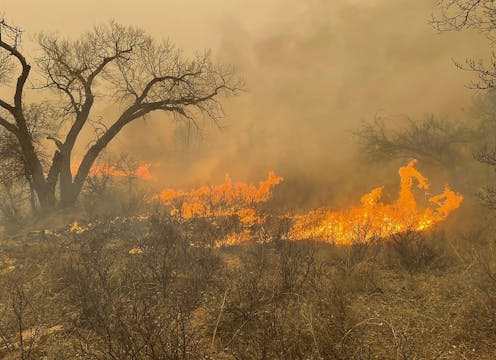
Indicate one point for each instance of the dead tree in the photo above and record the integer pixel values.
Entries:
(109, 63)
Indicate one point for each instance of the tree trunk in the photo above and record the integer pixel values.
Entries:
(67, 190)
(70, 193)
(32, 195)
(46, 197)
(70, 196)
(33, 166)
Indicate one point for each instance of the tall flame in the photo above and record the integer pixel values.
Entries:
(371, 219)
(375, 219)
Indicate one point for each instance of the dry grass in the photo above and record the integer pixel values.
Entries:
(414, 296)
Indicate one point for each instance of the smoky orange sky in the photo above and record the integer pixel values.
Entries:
(314, 71)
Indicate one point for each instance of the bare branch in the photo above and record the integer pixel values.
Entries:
(57, 142)
(12, 49)
(6, 106)
(433, 140)
(111, 60)
(8, 125)
(455, 15)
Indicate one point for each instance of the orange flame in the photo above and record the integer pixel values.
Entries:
(375, 219)
(371, 219)
(221, 200)
(141, 172)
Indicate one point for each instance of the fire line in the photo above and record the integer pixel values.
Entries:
(371, 219)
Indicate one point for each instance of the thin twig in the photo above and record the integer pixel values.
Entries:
(218, 319)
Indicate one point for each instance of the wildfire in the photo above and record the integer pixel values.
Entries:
(221, 200)
(371, 219)
(76, 228)
(375, 219)
(142, 171)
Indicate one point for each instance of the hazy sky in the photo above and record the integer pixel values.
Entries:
(191, 23)
(315, 69)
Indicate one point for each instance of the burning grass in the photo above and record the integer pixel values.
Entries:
(141, 171)
(374, 219)
(211, 273)
(226, 199)
(371, 219)
(241, 205)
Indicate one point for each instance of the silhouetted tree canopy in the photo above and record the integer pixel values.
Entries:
(480, 15)
(110, 63)
(431, 140)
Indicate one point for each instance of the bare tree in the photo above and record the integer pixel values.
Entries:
(479, 15)
(109, 62)
(432, 140)
(456, 15)
(13, 172)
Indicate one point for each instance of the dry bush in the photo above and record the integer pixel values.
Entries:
(480, 307)
(22, 313)
(413, 251)
(105, 197)
(297, 265)
(172, 297)
(139, 305)
(285, 302)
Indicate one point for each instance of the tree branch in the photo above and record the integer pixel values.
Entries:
(8, 126)
(21, 80)
(6, 106)
(105, 62)
(159, 79)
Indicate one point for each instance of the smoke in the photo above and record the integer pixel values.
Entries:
(311, 80)
(314, 70)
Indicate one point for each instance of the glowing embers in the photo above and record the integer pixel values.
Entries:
(376, 219)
